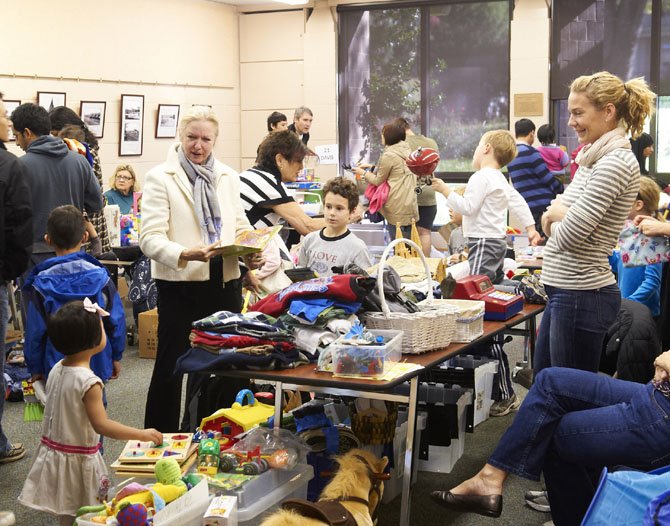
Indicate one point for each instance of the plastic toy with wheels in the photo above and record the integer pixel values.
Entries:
(251, 463)
(237, 419)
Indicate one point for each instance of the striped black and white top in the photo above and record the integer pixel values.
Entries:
(260, 191)
(600, 199)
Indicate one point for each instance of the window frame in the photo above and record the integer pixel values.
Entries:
(424, 50)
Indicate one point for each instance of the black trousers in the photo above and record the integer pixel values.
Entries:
(180, 303)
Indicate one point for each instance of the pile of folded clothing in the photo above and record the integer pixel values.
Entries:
(228, 340)
(318, 311)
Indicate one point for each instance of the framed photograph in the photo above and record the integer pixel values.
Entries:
(50, 99)
(92, 112)
(166, 121)
(132, 117)
(11, 105)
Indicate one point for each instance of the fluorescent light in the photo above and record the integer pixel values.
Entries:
(292, 2)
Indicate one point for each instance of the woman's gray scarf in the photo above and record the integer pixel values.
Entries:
(204, 194)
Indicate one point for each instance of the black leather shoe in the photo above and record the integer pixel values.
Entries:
(488, 505)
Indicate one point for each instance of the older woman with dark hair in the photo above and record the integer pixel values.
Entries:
(191, 206)
(264, 196)
(60, 117)
(401, 206)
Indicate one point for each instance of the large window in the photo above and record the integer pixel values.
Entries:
(442, 65)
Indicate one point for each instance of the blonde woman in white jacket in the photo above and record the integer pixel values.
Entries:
(190, 203)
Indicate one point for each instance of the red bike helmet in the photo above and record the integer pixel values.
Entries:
(423, 161)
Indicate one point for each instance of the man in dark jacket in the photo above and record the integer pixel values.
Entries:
(302, 122)
(56, 175)
(15, 248)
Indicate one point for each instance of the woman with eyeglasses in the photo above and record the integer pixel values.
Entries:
(122, 185)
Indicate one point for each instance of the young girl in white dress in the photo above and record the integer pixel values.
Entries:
(68, 471)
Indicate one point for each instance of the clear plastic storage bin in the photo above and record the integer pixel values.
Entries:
(187, 510)
(367, 360)
(255, 501)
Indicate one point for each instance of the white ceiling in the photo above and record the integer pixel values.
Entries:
(254, 3)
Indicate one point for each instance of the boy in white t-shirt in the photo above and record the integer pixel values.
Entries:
(484, 205)
(335, 245)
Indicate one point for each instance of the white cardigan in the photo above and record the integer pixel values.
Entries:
(170, 225)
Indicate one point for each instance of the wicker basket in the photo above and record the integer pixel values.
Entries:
(374, 428)
(427, 330)
(469, 318)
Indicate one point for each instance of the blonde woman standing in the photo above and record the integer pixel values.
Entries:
(573, 423)
(583, 224)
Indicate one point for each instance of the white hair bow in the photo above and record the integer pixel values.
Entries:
(94, 307)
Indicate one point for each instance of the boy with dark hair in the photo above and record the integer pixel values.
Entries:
(529, 173)
(71, 275)
(335, 245)
(277, 121)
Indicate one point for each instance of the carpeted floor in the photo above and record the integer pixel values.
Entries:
(126, 404)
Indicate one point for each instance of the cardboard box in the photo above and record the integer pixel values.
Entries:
(113, 218)
(222, 511)
(148, 333)
(123, 288)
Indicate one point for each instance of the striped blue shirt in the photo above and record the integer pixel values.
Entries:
(532, 179)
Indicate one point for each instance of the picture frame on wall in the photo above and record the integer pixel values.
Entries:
(10, 106)
(92, 112)
(166, 121)
(131, 122)
(50, 99)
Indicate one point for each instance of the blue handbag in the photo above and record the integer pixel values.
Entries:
(623, 496)
(658, 511)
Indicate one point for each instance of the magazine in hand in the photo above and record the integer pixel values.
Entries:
(249, 242)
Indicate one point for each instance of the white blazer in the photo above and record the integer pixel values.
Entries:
(170, 225)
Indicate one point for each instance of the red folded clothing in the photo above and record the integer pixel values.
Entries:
(231, 341)
(340, 287)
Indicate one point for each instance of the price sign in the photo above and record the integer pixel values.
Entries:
(328, 153)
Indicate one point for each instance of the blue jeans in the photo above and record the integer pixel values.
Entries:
(5, 445)
(572, 424)
(573, 327)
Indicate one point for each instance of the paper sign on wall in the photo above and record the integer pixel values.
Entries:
(328, 153)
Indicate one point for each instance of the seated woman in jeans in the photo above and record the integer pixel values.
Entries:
(571, 425)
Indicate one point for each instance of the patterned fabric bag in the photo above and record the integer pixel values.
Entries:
(638, 250)
(142, 290)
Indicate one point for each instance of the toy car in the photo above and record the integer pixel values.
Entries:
(246, 463)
